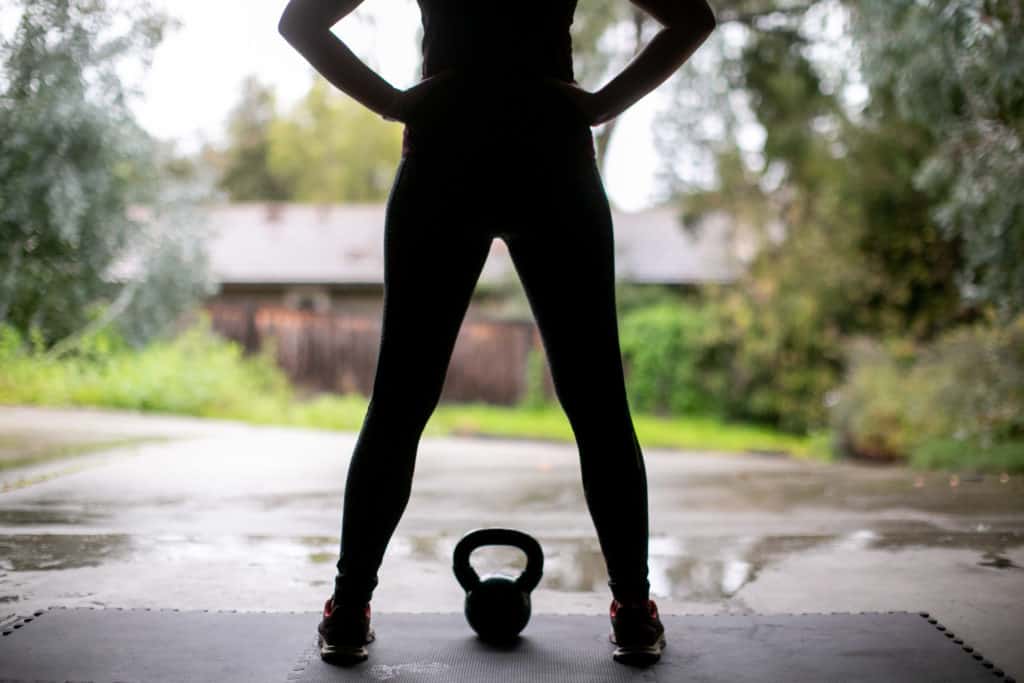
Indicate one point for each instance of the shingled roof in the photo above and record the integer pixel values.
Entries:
(343, 244)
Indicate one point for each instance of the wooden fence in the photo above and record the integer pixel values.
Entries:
(338, 352)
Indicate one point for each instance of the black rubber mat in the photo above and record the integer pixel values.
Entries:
(143, 646)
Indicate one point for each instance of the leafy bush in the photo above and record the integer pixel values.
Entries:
(199, 373)
(196, 373)
(878, 412)
(958, 400)
(535, 396)
(88, 217)
(727, 356)
(955, 454)
(663, 347)
(772, 358)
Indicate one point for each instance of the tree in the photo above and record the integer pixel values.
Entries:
(247, 175)
(860, 252)
(74, 167)
(331, 148)
(956, 68)
(607, 34)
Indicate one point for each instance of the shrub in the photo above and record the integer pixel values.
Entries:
(771, 361)
(535, 396)
(196, 373)
(876, 414)
(959, 399)
(663, 349)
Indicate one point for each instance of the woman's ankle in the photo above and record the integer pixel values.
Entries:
(633, 600)
(633, 593)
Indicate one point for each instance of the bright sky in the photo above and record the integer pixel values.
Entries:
(196, 76)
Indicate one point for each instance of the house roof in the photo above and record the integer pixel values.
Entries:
(259, 243)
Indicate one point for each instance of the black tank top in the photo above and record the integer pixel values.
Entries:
(509, 44)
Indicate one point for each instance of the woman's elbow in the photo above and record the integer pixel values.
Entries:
(290, 25)
(690, 19)
(704, 18)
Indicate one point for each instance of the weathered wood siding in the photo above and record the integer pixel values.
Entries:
(338, 352)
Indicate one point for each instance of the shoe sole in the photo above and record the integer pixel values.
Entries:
(344, 654)
(637, 655)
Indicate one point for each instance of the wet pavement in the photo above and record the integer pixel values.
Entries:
(226, 516)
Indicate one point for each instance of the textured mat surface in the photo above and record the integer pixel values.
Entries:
(143, 646)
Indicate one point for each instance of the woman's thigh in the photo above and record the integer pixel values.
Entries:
(432, 261)
(565, 259)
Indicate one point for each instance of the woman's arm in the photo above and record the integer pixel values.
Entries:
(306, 25)
(686, 24)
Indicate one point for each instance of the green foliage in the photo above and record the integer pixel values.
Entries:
(771, 358)
(535, 395)
(327, 148)
(663, 349)
(881, 410)
(197, 373)
(201, 374)
(73, 165)
(246, 175)
(955, 454)
(957, 69)
(683, 432)
(630, 297)
(919, 400)
(331, 148)
(844, 240)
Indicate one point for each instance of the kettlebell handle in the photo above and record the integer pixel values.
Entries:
(467, 576)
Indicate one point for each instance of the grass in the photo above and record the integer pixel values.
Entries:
(952, 454)
(202, 375)
(549, 423)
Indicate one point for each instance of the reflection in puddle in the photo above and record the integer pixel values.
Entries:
(44, 552)
(735, 575)
(862, 490)
(698, 569)
(695, 569)
(41, 515)
(997, 561)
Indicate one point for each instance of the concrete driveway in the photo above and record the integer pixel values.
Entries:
(227, 516)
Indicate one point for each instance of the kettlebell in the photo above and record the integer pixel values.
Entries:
(498, 606)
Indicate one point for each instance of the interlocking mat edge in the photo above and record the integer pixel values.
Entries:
(117, 645)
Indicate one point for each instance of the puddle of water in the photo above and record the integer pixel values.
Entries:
(997, 561)
(860, 491)
(23, 448)
(50, 552)
(708, 570)
(45, 515)
(701, 569)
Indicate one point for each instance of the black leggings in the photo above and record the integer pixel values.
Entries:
(442, 214)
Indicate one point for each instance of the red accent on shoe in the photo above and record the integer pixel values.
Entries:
(652, 608)
(329, 608)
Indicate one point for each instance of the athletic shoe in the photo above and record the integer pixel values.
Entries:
(344, 633)
(637, 632)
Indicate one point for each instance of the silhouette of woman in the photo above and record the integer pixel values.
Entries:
(497, 143)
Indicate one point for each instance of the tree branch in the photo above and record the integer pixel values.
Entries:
(748, 18)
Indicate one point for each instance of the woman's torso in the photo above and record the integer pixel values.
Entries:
(501, 52)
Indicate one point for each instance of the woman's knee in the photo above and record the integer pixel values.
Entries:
(402, 410)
